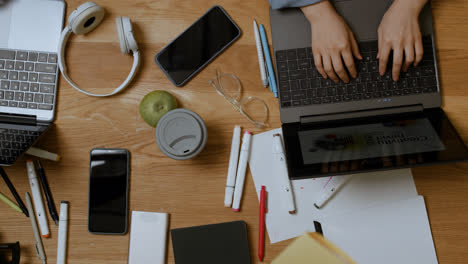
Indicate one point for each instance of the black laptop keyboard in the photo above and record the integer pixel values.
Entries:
(300, 84)
(14, 142)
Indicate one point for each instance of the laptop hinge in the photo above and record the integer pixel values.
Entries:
(18, 119)
(361, 113)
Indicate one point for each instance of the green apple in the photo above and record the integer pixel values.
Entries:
(155, 104)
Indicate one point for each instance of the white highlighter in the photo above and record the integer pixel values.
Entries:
(285, 183)
(241, 169)
(330, 188)
(37, 198)
(62, 233)
(231, 177)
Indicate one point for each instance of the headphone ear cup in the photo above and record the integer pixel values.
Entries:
(86, 18)
(121, 35)
(126, 38)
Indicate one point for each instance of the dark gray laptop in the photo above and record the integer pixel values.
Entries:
(372, 123)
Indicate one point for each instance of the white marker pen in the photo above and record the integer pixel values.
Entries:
(261, 60)
(62, 233)
(37, 198)
(285, 183)
(231, 177)
(330, 188)
(240, 178)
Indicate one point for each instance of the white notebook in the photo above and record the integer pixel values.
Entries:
(148, 237)
(396, 232)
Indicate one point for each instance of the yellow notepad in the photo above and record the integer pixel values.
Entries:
(312, 248)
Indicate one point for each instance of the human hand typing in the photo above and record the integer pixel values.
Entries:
(332, 42)
(399, 31)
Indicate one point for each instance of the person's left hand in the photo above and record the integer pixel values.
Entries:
(399, 31)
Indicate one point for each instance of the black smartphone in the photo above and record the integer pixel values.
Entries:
(192, 50)
(108, 191)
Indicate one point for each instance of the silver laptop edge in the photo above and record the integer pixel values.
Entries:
(24, 31)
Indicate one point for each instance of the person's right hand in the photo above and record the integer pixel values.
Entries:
(332, 42)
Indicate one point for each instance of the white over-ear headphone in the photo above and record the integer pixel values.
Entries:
(83, 20)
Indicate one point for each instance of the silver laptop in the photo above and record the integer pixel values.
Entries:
(29, 37)
(372, 123)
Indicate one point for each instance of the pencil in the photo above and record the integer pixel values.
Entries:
(47, 192)
(10, 203)
(14, 192)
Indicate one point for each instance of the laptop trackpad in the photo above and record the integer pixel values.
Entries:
(31, 25)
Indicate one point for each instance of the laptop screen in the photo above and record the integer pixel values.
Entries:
(372, 143)
(31, 25)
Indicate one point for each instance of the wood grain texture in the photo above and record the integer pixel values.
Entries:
(193, 191)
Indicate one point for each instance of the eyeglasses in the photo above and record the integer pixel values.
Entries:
(252, 108)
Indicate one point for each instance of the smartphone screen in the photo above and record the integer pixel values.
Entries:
(108, 189)
(198, 45)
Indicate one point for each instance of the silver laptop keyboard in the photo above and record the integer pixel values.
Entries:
(28, 79)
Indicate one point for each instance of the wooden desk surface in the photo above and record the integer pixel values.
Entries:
(193, 191)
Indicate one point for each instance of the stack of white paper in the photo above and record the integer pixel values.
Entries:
(363, 191)
(396, 232)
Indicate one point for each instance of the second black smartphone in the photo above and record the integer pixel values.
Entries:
(192, 50)
(108, 191)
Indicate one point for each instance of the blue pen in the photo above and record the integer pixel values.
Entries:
(266, 52)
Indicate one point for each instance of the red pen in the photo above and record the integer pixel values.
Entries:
(261, 234)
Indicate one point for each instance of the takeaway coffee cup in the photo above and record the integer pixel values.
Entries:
(181, 134)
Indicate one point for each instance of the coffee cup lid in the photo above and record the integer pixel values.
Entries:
(181, 134)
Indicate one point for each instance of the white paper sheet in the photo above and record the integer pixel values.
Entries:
(362, 191)
(395, 232)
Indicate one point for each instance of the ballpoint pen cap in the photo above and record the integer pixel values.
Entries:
(64, 210)
(229, 194)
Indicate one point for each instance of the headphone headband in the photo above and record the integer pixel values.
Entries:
(84, 19)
